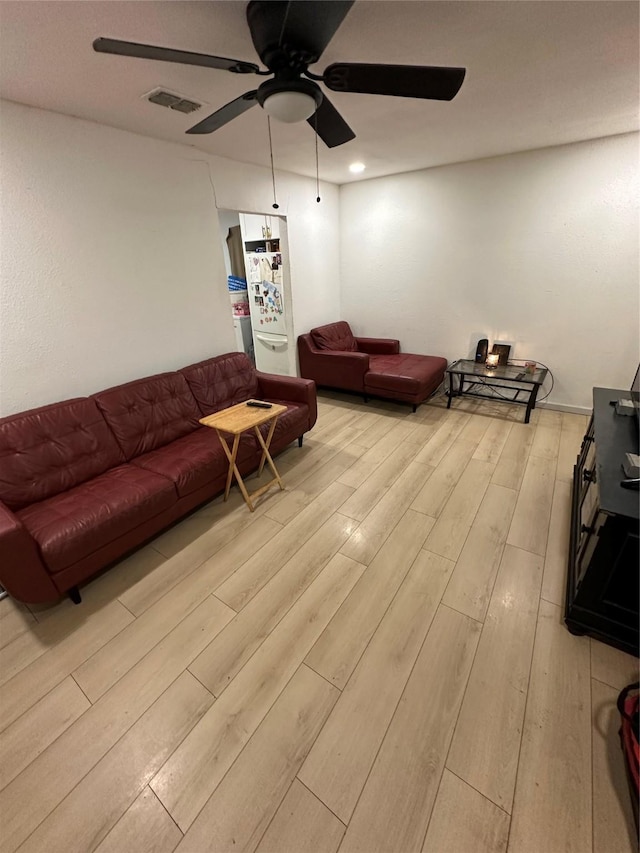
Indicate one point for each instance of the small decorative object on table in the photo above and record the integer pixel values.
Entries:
(530, 366)
(492, 360)
(502, 351)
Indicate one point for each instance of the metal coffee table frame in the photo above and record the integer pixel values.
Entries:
(502, 378)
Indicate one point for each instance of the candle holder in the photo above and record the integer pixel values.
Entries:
(492, 361)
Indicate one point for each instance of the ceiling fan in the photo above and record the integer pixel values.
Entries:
(289, 37)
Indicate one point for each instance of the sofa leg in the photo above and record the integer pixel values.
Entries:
(365, 398)
(415, 408)
(74, 594)
(300, 441)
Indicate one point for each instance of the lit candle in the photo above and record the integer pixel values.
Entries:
(492, 360)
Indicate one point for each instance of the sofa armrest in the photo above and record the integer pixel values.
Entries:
(22, 572)
(378, 346)
(290, 388)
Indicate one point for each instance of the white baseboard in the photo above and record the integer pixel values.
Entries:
(562, 407)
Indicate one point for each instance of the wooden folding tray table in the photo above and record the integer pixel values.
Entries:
(234, 421)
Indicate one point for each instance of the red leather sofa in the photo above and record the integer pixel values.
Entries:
(332, 356)
(84, 481)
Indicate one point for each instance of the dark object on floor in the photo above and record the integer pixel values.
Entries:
(628, 705)
(375, 367)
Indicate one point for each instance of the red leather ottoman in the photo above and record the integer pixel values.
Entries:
(405, 376)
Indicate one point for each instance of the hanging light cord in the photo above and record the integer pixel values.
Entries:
(275, 204)
(315, 116)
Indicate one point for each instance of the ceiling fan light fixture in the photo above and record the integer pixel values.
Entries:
(290, 106)
(289, 100)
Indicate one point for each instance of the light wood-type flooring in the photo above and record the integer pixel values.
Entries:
(374, 660)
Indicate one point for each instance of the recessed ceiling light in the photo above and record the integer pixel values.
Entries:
(356, 167)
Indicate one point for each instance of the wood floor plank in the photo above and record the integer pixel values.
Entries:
(375, 487)
(396, 803)
(84, 636)
(144, 828)
(180, 571)
(464, 821)
(302, 824)
(555, 759)
(530, 524)
(613, 824)
(87, 814)
(372, 459)
(486, 743)
(238, 812)
(574, 423)
(232, 648)
(545, 416)
(69, 628)
(337, 766)
(103, 669)
(546, 442)
(41, 786)
(203, 533)
(194, 771)
(293, 501)
(373, 433)
(249, 579)
(29, 735)
(337, 651)
(557, 554)
(513, 459)
(450, 531)
(15, 619)
(611, 666)
(471, 584)
(443, 439)
(431, 499)
(475, 430)
(570, 442)
(493, 441)
(367, 540)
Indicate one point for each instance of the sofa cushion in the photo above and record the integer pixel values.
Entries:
(404, 373)
(195, 459)
(335, 336)
(150, 412)
(70, 526)
(220, 382)
(48, 450)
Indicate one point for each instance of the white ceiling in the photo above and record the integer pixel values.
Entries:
(538, 73)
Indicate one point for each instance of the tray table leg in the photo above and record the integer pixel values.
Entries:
(233, 468)
(266, 456)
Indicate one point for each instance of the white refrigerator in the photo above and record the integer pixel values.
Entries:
(266, 304)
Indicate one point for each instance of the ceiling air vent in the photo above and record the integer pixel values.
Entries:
(164, 98)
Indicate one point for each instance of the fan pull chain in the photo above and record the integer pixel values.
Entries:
(315, 116)
(275, 204)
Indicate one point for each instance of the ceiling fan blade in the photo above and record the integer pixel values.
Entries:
(167, 54)
(305, 25)
(405, 81)
(225, 114)
(329, 125)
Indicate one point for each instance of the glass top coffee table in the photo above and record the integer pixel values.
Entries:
(513, 383)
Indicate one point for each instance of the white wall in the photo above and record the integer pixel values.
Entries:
(111, 262)
(538, 248)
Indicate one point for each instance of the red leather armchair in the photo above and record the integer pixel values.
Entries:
(333, 357)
